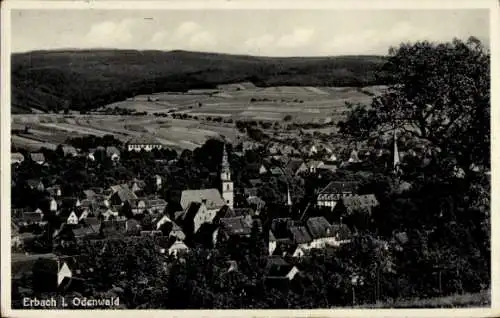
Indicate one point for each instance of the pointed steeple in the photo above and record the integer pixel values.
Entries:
(225, 162)
(396, 159)
(288, 198)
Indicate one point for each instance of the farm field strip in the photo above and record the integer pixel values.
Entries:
(30, 143)
(72, 128)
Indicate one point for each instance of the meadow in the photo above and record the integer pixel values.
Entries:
(229, 103)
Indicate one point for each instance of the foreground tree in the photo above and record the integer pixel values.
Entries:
(441, 97)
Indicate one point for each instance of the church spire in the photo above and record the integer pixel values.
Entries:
(225, 162)
(396, 159)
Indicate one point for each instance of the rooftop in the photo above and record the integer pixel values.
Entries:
(212, 198)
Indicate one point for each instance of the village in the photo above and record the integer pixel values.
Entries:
(124, 209)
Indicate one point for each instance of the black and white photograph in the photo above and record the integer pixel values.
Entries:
(280, 158)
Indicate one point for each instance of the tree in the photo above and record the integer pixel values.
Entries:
(440, 97)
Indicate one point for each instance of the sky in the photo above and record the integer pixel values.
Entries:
(255, 32)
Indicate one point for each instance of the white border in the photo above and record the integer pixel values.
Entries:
(239, 5)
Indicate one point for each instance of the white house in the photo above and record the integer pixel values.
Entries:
(72, 218)
(176, 248)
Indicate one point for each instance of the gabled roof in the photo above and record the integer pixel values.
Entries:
(357, 202)
(294, 165)
(236, 225)
(89, 193)
(319, 227)
(341, 187)
(83, 231)
(124, 193)
(300, 235)
(212, 197)
(37, 156)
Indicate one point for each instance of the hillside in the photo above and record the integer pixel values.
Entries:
(87, 79)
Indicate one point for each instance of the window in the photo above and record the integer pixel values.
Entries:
(227, 187)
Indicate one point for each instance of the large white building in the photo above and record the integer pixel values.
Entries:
(143, 143)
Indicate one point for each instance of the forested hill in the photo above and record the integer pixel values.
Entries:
(86, 79)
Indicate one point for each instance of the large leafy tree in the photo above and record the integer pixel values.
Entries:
(440, 96)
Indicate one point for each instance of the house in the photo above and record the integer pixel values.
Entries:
(211, 198)
(177, 248)
(35, 184)
(121, 194)
(54, 191)
(256, 203)
(313, 165)
(113, 153)
(86, 231)
(73, 218)
(324, 234)
(279, 271)
(69, 151)
(16, 158)
(194, 216)
(53, 205)
(143, 142)
(108, 214)
(37, 157)
(301, 240)
(156, 205)
(234, 227)
(262, 169)
(357, 203)
(334, 191)
(175, 230)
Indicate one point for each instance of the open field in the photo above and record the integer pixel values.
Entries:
(231, 103)
(304, 104)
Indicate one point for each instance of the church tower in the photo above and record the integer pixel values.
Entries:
(396, 159)
(227, 184)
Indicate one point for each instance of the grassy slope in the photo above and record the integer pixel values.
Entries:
(481, 299)
(86, 79)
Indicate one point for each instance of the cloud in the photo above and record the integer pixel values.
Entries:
(298, 38)
(256, 44)
(186, 29)
(370, 41)
(110, 33)
(188, 35)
